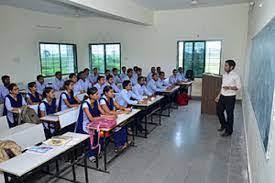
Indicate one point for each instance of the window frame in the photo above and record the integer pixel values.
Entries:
(56, 43)
(104, 47)
(193, 41)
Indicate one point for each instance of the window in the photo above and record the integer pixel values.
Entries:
(105, 56)
(57, 57)
(200, 56)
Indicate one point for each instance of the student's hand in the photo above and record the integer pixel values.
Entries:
(217, 99)
(128, 110)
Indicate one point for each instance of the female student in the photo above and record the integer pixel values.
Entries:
(90, 110)
(47, 107)
(110, 106)
(33, 97)
(67, 98)
(12, 104)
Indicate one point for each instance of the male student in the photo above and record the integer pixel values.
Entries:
(110, 82)
(149, 76)
(152, 85)
(158, 70)
(82, 84)
(73, 77)
(130, 77)
(93, 76)
(135, 75)
(140, 88)
(4, 89)
(173, 79)
(107, 72)
(181, 74)
(123, 73)
(86, 72)
(58, 83)
(100, 84)
(40, 84)
(115, 75)
(162, 81)
(139, 72)
(231, 84)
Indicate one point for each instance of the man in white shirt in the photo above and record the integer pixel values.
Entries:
(110, 82)
(115, 76)
(82, 85)
(173, 80)
(123, 73)
(153, 86)
(58, 83)
(100, 84)
(40, 84)
(231, 84)
(149, 76)
(130, 77)
(93, 76)
(140, 88)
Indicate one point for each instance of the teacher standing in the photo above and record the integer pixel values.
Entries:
(226, 100)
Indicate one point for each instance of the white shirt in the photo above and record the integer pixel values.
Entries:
(62, 98)
(141, 90)
(40, 87)
(100, 88)
(81, 86)
(230, 79)
(58, 84)
(124, 98)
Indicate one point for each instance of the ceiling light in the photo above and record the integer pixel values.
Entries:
(194, 2)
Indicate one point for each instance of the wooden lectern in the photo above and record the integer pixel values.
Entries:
(211, 87)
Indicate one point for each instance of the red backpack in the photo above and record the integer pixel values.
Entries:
(182, 99)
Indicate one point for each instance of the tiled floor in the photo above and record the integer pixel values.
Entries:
(186, 149)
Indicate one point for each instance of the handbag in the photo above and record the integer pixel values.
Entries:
(182, 99)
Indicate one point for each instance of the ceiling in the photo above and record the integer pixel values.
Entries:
(49, 6)
(183, 4)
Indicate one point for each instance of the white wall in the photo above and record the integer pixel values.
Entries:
(19, 38)
(157, 44)
(261, 169)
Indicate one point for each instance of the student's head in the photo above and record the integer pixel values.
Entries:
(153, 69)
(127, 85)
(139, 71)
(175, 72)
(229, 65)
(48, 93)
(40, 79)
(110, 79)
(95, 70)
(32, 86)
(58, 75)
(107, 72)
(158, 69)
(69, 85)
(115, 71)
(108, 92)
(155, 76)
(13, 89)
(93, 93)
(6, 80)
(73, 77)
(180, 69)
(130, 72)
(141, 80)
(123, 69)
(135, 68)
(86, 72)
(81, 75)
(162, 75)
(101, 80)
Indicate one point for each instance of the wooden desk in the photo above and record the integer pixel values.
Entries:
(22, 166)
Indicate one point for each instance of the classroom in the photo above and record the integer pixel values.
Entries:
(130, 91)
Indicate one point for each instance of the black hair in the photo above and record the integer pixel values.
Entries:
(175, 70)
(109, 76)
(123, 67)
(95, 68)
(231, 63)
(135, 68)
(99, 78)
(107, 70)
(79, 75)
(154, 74)
(161, 73)
(139, 69)
(67, 83)
(11, 86)
(125, 83)
(140, 78)
(72, 75)
(46, 91)
(58, 72)
(31, 84)
(107, 89)
(114, 69)
(5, 77)
(86, 69)
(92, 91)
(39, 76)
(129, 70)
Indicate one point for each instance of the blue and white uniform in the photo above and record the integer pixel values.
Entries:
(93, 78)
(173, 80)
(122, 76)
(124, 98)
(40, 87)
(153, 87)
(58, 84)
(100, 88)
(34, 98)
(81, 86)
(141, 90)
(66, 96)
(115, 87)
(181, 76)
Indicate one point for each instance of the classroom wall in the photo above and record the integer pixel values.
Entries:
(261, 169)
(157, 44)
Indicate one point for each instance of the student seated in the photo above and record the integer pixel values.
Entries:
(123, 73)
(82, 84)
(110, 82)
(130, 76)
(149, 76)
(73, 77)
(86, 72)
(93, 76)
(12, 104)
(4, 89)
(33, 97)
(140, 88)
(158, 70)
(47, 107)
(67, 99)
(162, 81)
(58, 81)
(139, 72)
(135, 75)
(111, 107)
(40, 84)
(181, 75)
(115, 75)
(100, 84)
(107, 72)
(173, 80)
(152, 85)
(90, 110)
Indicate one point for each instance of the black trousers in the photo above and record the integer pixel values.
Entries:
(226, 103)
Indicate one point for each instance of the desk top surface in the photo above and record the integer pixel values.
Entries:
(16, 129)
(151, 102)
(26, 162)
